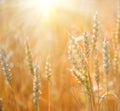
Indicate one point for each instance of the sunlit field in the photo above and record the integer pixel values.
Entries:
(59, 55)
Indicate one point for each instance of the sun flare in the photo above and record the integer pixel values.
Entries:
(45, 7)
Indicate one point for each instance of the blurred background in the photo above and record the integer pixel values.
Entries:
(46, 24)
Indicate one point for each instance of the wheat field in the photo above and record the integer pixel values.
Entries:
(59, 55)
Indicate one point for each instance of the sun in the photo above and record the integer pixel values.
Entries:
(44, 7)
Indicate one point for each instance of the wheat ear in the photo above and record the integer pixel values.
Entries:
(5, 67)
(106, 65)
(86, 45)
(95, 32)
(48, 72)
(117, 35)
(7, 74)
(79, 61)
(29, 57)
(36, 88)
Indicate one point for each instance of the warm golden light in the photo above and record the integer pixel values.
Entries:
(45, 7)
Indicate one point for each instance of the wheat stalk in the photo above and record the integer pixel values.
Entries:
(5, 67)
(97, 75)
(7, 74)
(79, 61)
(95, 31)
(106, 65)
(106, 57)
(97, 71)
(29, 57)
(117, 35)
(116, 62)
(48, 72)
(86, 44)
(116, 68)
(36, 88)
